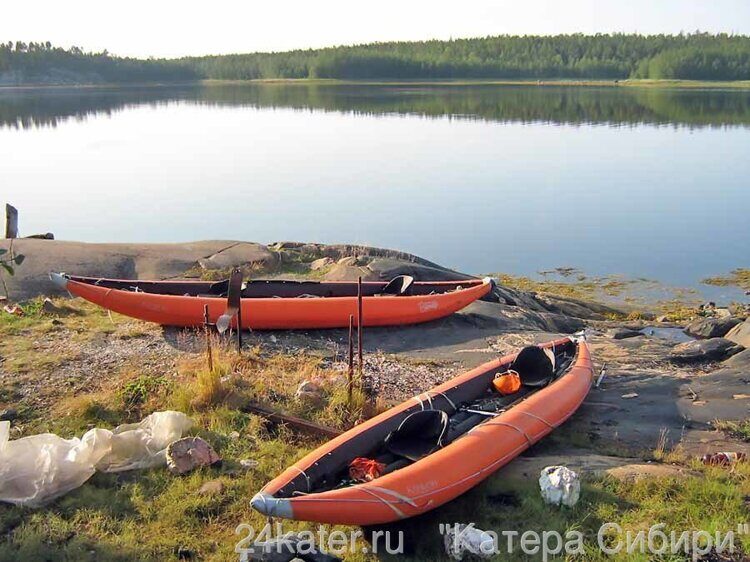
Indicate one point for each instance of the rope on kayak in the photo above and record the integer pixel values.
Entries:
(371, 490)
(428, 398)
(303, 473)
(489, 467)
(448, 399)
(545, 422)
(419, 401)
(397, 511)
(510, 425)
(401, 497)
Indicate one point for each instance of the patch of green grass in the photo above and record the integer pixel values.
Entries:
(11, 324)
(9, 392)
(66, 314)
(739, 429)
(24, 356)
(134, 394)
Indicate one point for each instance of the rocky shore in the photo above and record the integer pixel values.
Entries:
(681, 386)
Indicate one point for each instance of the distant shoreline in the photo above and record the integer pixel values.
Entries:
(550, 82)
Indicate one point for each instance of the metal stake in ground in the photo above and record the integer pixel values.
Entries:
(351, 356)
(239, 329)
(359, 327)
(209, 352)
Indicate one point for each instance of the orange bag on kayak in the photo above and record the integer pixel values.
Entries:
(507, 383)
(365, 470)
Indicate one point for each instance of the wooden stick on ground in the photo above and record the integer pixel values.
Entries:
(351, 357)
(294, 421)
(209, 352)
(359, 328)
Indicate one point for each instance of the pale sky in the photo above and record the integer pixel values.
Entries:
(171, 28)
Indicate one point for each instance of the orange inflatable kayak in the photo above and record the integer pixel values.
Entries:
(278, 305)
(436, 446)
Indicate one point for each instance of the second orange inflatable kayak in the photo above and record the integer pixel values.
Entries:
(279, 305)
(436, 446)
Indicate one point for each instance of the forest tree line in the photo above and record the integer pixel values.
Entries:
(46, 63)
(695, 56)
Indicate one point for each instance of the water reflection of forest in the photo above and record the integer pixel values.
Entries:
(30, 108)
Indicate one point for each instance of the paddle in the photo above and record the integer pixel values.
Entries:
(234, 294)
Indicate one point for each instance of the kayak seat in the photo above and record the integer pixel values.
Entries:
(534, 366)
(400, 285)
(418, 435)
(219, 289)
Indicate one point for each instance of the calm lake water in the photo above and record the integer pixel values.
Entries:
(643, 182)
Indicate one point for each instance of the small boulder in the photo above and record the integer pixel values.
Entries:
(212, 487)
(351, 261)
(739, 361)
(321, 263)
(623, 333)
(188, 453)
(740, 334)
(238, 255)
(49, 307)
(184, 553)
(663, 318)
(9, 414)
(309, 391)
(706, 328)
(714, 349)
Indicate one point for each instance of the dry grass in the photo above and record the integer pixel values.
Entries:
(666, 453)
(677, 310)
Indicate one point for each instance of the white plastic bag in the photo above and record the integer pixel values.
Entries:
(144, 444)
(37, 469)
(560, 486)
